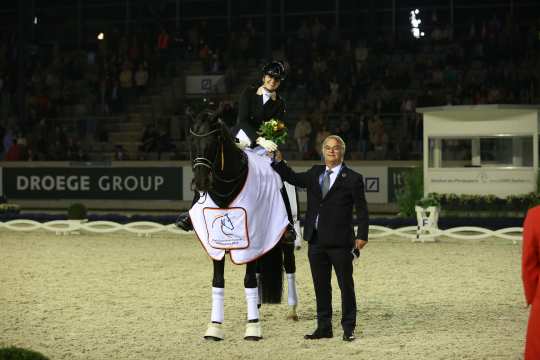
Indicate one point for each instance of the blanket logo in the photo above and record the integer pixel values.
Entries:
(226, 228)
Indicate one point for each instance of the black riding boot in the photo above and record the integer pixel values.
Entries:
(184, 222)
(290, 235)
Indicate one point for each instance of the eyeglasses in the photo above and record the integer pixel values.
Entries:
(333, 148)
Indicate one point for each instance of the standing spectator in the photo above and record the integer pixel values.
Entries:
(363, 137)
(302, 133)
(530, 272)
(126, 82)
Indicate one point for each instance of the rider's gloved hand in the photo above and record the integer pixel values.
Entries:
(268, 145)
(242, 144)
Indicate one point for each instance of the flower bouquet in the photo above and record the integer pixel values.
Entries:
(273, 130)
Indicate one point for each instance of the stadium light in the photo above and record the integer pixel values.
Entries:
(415, 24)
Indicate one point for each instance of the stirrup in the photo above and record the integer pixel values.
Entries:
(253, 331)
(289, 236)
(292, 315)
(214, 332)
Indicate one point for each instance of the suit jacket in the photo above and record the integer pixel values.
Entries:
(335, 211)
(531, 280)
(252, 112)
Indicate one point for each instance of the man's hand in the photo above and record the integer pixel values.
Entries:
(359, 244)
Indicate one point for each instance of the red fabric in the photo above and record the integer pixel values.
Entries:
(530, 272)
(163, 41)
(14, 153)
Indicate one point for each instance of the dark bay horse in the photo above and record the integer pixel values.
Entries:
(220, 170)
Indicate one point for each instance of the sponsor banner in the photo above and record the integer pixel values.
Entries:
(396, 181)
(481, 181)
(205, 84)
(153, 183)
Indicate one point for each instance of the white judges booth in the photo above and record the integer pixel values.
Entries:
(482, 149)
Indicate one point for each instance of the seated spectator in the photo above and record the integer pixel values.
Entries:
(120, 153)
(141, 79)
(322, 134)
(17, 150)
(149, 139)
(302, 133)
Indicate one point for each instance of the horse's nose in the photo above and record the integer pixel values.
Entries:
(202, 178)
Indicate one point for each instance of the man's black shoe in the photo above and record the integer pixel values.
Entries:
(319, 334)
(349, 336)
(184, 222)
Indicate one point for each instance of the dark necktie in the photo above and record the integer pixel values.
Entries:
(326, 183)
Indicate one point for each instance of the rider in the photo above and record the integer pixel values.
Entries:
(258, 104)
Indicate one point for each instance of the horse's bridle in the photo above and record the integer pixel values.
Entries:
(203, 161)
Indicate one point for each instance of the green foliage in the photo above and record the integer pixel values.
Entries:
(487, 203)
(412, 191)
(15, 353)
(428, 201)
(6, 208)
(77, 211)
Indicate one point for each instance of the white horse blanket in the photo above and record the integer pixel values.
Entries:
(254, 221)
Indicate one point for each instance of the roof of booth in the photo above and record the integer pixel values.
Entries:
(429, 109)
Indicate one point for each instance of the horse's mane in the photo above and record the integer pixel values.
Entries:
(214, 118)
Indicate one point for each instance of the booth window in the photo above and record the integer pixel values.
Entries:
(485, 151)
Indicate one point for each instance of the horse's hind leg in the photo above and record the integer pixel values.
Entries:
(289, 264)
(214, 330)
(253, 326)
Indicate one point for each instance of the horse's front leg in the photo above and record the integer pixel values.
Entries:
(214, 330)
(253, 326)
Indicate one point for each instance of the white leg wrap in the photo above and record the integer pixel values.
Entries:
(217, 304)
(252, 295)
(292, 298)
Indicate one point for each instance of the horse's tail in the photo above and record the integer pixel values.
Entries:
(271, 279)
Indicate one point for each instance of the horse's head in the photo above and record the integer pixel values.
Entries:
(206, 135)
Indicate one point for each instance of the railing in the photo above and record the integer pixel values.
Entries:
(147, 228)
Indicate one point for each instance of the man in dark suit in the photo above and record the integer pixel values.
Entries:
(333, 192)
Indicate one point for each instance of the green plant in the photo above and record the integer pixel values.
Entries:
(412, 191)
(428, 201)
(15, 353)
(6, 208)
(77, 211)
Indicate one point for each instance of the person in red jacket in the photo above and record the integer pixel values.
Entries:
(530, 273)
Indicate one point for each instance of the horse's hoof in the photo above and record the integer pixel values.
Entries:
(253, 331)
(292, 317)
(292, 313)
(214, 332)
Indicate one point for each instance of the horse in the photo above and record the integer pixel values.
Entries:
(220, 171)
